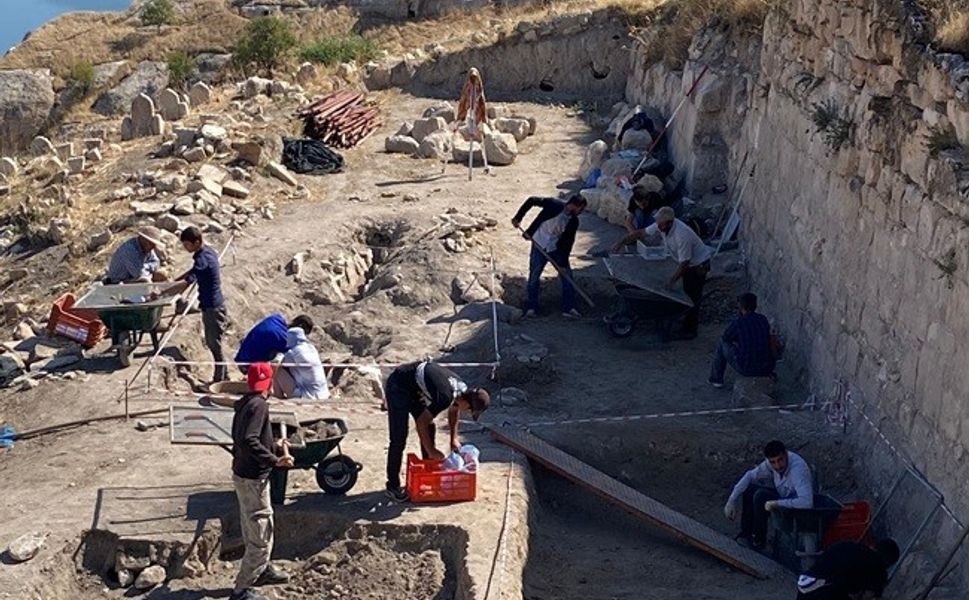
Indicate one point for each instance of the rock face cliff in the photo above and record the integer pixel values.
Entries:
(26, 101)
(856, 221)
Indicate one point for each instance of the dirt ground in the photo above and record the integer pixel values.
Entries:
(87, 477)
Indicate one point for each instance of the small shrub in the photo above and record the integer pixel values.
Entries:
(340, 49)
(81, 77)
(941, 139)
(947, 264)
(181, 68)
(265, 44)
(157, 13)
(953, 33)
(836, 129)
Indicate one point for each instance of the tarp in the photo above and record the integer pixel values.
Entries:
(310, 157)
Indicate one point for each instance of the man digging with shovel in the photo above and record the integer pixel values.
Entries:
(552, 234)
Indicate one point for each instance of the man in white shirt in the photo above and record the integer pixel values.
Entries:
(782, 480)
(308, 380)
(690, 253)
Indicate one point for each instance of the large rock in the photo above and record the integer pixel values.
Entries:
(26, 101)
(148, 78)
(442, 109)
(436, 145)
(143, 121)
(425, 127)
(401, 144)
(255, 86)
(500, 148)
(110, 74)
(281, 173)
(26, 546)
(519, 128)
(8, 167)
(636, 139)
(150, 577)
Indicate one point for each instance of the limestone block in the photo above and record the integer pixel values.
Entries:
(93, 155)
(753, 391)
(436, 145)
(306, 73)
(200, 93)
(41, 146)
(170, 105)
(501, 148)
(75, 164)
(519, 128)
(281, 173)
(401, 144)
(425, 127)
(8, 167)
(64, 151)
(196, 154)
(442, 109)
(636, 139)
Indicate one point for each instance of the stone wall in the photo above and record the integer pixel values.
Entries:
(861, 254)
(579, 56)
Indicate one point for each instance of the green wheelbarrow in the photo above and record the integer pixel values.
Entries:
(335, 474)
(127, 313)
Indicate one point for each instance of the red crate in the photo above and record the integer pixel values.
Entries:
(82, 326)
(427, 481)
(850, 525)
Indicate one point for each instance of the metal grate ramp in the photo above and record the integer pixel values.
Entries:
(682, 527)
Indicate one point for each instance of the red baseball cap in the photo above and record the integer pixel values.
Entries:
(260, 376)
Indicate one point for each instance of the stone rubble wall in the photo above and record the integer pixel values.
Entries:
(861, 255)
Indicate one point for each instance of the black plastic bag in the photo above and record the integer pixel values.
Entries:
(310, 157)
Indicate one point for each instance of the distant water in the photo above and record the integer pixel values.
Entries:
(18, 17)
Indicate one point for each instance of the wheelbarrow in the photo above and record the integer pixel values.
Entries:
(642, 296)
(335, 474)
(212, 426)
(127, 313)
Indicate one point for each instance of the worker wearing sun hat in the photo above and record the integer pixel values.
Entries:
(136, 260)
(253, 459)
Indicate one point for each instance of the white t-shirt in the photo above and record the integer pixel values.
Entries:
(548, 233)
(682, 243)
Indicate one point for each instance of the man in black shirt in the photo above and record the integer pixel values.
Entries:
(253, 459)
(422, 390)
(849, 568)
(552, 234)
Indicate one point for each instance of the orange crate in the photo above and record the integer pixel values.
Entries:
(427, 481)
(850, 525)
(82, 326)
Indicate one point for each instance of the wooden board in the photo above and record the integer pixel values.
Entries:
(649, 275)
(639, 505)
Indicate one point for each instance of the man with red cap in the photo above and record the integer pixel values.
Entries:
(253, 459)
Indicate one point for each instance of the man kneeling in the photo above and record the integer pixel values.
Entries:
(304, 377)
(782, 480)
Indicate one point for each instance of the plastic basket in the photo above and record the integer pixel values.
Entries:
(427, 481)
(850, 525)
(82, 326)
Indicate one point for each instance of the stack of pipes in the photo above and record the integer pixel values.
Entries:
(340, 119)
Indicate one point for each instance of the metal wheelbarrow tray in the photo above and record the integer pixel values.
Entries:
(643, 295)
(127, 322)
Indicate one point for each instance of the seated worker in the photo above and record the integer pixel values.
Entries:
(553, 231)
(745, 345)
(782, 480)
(422, 390)
(135, 261)
(639, 212)
(690, 253)
(309, 381)
(849, 570)
(267, 339)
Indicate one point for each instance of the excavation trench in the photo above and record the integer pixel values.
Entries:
(328, 556)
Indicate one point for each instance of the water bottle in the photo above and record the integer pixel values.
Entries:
(453, 462)
(470, 455)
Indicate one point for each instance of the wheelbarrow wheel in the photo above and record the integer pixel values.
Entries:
(337, 474)
(621, 327)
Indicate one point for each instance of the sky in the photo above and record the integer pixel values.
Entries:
(17, 17)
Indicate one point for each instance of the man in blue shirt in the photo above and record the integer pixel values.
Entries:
(745, 345)
(206, 273)
(264, 341)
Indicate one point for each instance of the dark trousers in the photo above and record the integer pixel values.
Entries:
(693, 280)
(214, 322)
(753, 521)
(536, 264)
(725, 355)
(825, 593)
(398, 414)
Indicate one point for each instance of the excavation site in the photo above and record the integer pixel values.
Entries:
(468, 300)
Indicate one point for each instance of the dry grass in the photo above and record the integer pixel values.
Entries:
(953, 33)
(667, 31)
